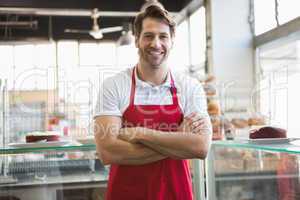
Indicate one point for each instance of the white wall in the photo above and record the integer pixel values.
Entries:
(231, 55)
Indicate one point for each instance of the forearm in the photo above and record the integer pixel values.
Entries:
(180, 145)
(117, 151)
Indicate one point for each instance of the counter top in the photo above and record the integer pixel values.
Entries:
(290, 147)
(71, 147)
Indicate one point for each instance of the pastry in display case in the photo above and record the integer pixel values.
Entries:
(256, 121)
(213, 106)
(239, 122)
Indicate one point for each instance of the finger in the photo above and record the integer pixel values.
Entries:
(190, 116)
(198, 123)
(201, 129)
(195, 118)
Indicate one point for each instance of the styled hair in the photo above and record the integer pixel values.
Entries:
(156, 12)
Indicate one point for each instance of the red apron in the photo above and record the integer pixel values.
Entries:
(167, 179)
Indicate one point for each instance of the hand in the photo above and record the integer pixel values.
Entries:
(193, 123)
(129, 134)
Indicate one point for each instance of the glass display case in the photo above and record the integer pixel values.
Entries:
(242, 170)
(52, 172)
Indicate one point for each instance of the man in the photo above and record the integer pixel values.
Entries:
(149, 120)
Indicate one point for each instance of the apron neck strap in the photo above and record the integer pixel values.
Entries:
(173, 90)
(133, 83)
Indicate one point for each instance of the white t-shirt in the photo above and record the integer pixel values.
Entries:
(114, 95)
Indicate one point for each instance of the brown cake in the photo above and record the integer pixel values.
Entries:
(36, 137)
(268, 132)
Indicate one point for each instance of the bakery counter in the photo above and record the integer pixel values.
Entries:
(52, 172)
(246, 170)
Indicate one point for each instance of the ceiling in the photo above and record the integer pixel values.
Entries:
(52, 17)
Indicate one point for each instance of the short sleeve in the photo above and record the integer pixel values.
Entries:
(195, 99)
(108, 99)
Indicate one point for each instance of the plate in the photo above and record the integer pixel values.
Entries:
(38, 144)
(272, 140)
(86, 140)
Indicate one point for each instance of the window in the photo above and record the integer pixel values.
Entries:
(288, 10)
(88, 54)
(24, 56)
(67, 53)
(45, 55)
(265, 16)
(7, 63)
(280, 80)
(264, 13)
(198, 37)
(127, 56)
(179, 55)
(190, 43)
(107, 54)
(33, 67)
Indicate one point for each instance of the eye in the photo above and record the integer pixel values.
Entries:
(148, 36)
(164, 37)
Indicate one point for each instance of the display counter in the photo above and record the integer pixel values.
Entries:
(235, 170)
(241, 170)
(50, 173)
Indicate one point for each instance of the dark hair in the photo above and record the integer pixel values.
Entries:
(156, 12)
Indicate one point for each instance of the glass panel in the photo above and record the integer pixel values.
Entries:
(239, 171)
(265, 97)
(293, 100)
(26, 149)
(287, 148)
(66, 173)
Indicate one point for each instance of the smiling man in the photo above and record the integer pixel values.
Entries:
(149, 120)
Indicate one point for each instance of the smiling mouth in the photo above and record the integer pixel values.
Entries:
(155, 53)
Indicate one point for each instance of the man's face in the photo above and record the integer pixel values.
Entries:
(154, 43)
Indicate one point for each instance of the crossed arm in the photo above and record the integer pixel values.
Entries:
(136, 146)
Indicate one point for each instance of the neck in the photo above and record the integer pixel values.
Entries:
(153, 75)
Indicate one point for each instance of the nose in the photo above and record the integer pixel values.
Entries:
(156, 43)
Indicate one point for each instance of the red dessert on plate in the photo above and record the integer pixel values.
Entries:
(268, 132)
(40, 136)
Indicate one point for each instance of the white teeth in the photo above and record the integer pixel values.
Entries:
(155, 52)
